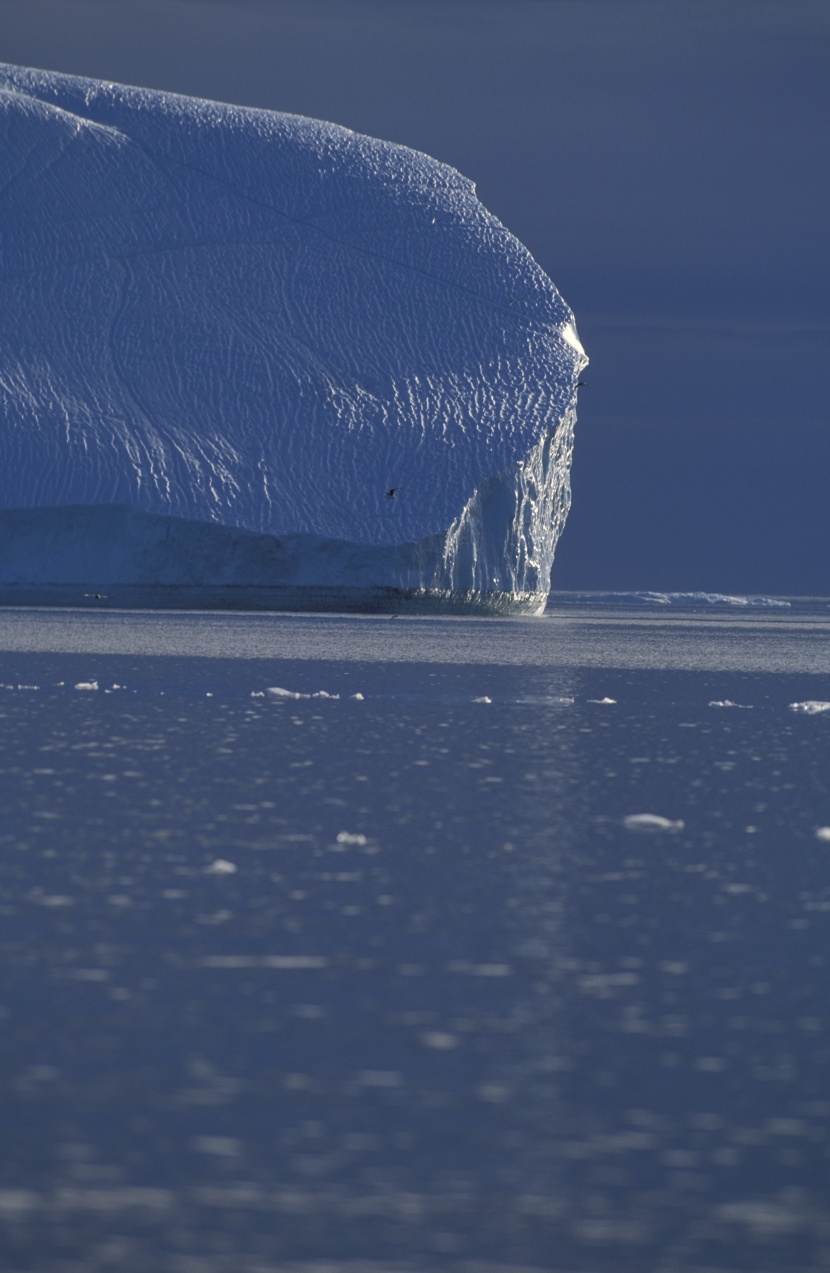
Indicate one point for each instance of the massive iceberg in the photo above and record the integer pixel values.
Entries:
(249, 358)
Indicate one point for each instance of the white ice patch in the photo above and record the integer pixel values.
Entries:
(483, 699)
(823, 833)
(221, 867)
(727, 702)
(810, 707)
(689, 600)
(602, 701)
(277, 692)
(652, 822)
(87, 685)
(570, 338)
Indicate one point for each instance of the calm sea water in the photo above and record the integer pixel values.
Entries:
(395, 977)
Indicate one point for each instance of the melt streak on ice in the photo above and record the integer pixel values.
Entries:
(214, 314)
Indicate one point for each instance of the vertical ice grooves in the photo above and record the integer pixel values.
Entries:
(505, 538)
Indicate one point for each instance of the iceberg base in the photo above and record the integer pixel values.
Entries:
(122, 557)
(308, 598)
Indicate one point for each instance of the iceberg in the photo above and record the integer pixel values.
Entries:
(253, 359)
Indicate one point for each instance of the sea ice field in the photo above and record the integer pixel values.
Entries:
(370, 944)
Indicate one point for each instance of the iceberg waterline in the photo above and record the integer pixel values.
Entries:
(229, 333)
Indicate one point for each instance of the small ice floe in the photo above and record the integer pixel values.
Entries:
(441, 1040)
(345, 838)
(810, 707)
(651, 822)
(220, 1146)
(483, 699)
(727, 702)
(823, 833)
(358, 697)
(601, 701)
(221, 867)
(87, 685)
(276, 691)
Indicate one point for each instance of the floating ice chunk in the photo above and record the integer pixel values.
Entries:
(221, 867)
(380, 1078)
(281, 963)
(823, 833)
(483, 699)
(346, 837)
(727, 702)
(680, 599)
(221, 1146)
(442, 1040)
(87, 685)
(276, 691)
(358, 697)
(651, 822)
(602, 700)
(810, 707)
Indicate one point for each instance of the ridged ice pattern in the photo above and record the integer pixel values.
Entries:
(266, 322)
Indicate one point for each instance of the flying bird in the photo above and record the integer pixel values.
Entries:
(392, 492)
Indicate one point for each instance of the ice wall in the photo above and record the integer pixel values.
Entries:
(265, 322)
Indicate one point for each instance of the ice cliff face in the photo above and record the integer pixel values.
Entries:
(265, 322)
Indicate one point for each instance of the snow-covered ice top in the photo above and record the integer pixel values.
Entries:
(261, 320)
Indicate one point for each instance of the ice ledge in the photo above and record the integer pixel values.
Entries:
(496, 557)
(301, 598)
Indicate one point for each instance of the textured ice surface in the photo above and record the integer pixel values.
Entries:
(265, 322)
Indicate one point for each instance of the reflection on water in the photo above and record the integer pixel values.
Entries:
(388, 979)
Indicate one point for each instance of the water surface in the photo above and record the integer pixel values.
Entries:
(384, 977)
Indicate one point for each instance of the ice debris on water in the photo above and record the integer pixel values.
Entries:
(483, 699)
(221, 867)
(823, 833)
(690, 600)
(87, 685)
(277, 692)
(810, 707)
(727, 702)
(652, 822)
(347, 837)
(602, 701)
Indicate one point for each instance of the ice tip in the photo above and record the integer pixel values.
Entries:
(568, 334)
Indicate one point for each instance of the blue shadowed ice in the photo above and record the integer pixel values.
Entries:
(228, 333)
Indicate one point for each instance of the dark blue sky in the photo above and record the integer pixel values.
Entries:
(666, 161)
